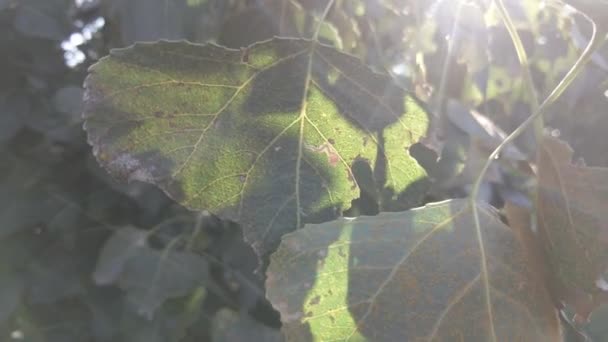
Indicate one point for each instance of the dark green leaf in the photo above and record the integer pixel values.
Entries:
(150, 277)
(150, 20)
(11, 288)
(68, 100)
(26, 196)
(119, 248)
(40, 19)
(230, 326)
(13, 109)
(54, 277)
(284, 18)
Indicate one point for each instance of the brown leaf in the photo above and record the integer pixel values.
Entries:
(572, 213)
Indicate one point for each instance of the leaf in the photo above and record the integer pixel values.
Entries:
(54, 276)
(410, 276)
(11, 288)
(229, 326)
(27, 198)
(266, 137)
(597, 327)
(150, 20)
(573, 220)
(40, 19)
(106, 312)
(284, 18)
(153, 276)
(13, 109)
(68, 100)
(121, 246)
(4, 4)
(190, 313)
(481, 129)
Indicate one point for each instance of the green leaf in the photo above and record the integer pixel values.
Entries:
(411, 276)
(266, 137)
(153, 276)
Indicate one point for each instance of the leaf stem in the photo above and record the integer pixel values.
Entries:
(440, 102)
(322, 19)
(527, 75)
(596, 41)
(524, 63)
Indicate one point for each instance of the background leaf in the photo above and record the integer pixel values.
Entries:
(265, 20)
(150, 20)
(409, 276)
(266, 137)
(41, 19)
(572, 216)
(229, 326)
(150, 277)
(59, 208)
(11, 289)
(119, 248)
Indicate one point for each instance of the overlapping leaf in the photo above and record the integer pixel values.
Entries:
(148, 276)
(573, 219)
(266, 136)
(231, 326)
(283, 18)
(152, 276)
(411, 276)
(120, 247)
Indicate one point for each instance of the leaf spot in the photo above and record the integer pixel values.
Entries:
(326, 148)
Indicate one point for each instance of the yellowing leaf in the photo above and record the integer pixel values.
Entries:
(265, 136)
(410, 276)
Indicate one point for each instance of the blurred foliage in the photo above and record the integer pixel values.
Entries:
(63, 274)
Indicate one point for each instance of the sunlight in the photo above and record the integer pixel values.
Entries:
(330, 291)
